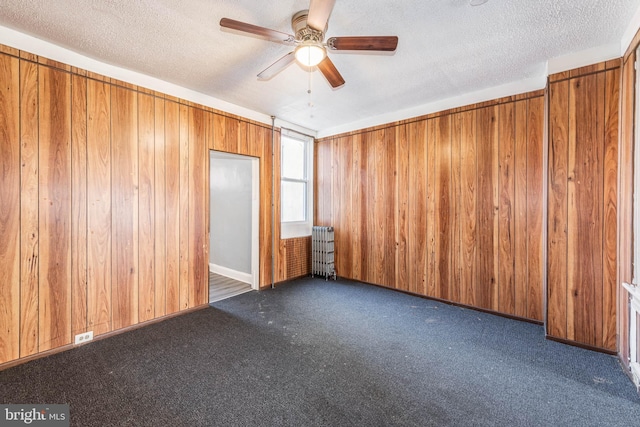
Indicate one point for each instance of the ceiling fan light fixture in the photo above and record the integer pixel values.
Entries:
(310, 54)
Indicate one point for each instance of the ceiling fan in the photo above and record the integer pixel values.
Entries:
(309, 27)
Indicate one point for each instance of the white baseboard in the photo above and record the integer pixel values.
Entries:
(234, 274)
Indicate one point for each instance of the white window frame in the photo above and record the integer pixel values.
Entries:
(289, 230)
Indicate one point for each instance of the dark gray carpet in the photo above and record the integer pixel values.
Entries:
(315, 352)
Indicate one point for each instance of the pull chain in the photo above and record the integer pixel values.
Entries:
(309, 92)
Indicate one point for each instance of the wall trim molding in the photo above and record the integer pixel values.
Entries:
(228, 272)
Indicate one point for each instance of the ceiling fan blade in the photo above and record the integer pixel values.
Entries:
(273, 35)
(330, 72)
(277, 66)
(380, 43)
(319, 11)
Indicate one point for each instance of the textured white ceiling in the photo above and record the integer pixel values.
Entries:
(446, 48)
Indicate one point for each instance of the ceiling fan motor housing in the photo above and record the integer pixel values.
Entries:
(303, 32)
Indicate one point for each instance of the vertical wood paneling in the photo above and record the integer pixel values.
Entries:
(443, 206)
(584, 228)
(54, 208)
(455, 288)
(160, 293)
(455, 190)
(146, 205)
(506, 209)
(520, 209)
(231, 135)
(183, 225)
(94, 171)
(172, 186)
(124, 202)
(9, 208)
(369, 251)
(243, 139)
(266, 236)
(198, 273)
(29, 295)
(356, 207)
(402, 261)
(219, 128)
(624, 233)
(378, 234)
(418, 219)
(389, 202)
(342, 205)
(78, 204)
(536, 268)
(585, 198)
(430, 217)
(557, 209)
(610, 212)
(99, 243)
(468, 208)
(487, 286)
(338, 205)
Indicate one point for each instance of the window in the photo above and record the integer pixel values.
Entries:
(296, 191)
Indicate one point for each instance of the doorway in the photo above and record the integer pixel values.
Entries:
(234, 190)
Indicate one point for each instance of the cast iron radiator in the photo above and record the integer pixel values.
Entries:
(322, 260)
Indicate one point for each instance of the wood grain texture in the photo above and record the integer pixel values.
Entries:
(557, 209)
(199, 271)
(99, 236)
(78, 204)
(94, 171)
(369, 204)
(506, 209)
(624, 233)
(443, 206)
(468, 209)
(401, 207)
(455, 288)
(587, 204)
(146, 207)
(417, 216)
(183, 225)
(160, 219)
(263, 136)
(172, 215)
(584, 228)
(536, 268)
(487, 286)
(389, 212)
(520, 173)
(431, 196)
(10, 264)
(124, 204)
(455, 190)
(54, 208)
(357, 172)
(610, 204)
(29, 180)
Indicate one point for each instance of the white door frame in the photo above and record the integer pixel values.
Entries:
(255, 222)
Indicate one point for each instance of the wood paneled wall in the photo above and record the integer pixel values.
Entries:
(449, 206)
(104, 212)
(625, 196)
(582, 211)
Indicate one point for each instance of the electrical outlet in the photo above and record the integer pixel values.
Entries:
(84, 337)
